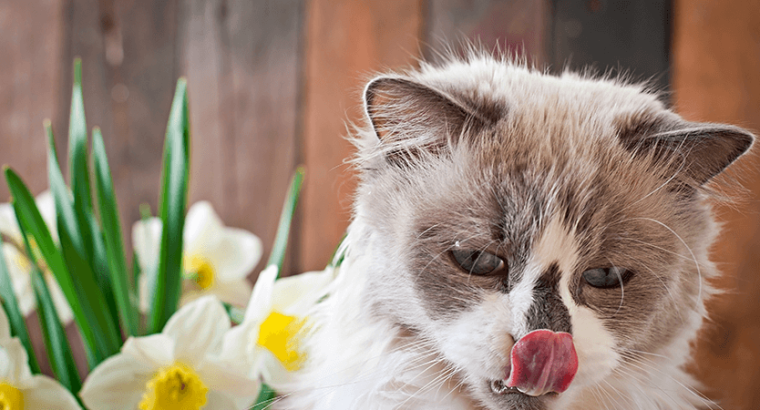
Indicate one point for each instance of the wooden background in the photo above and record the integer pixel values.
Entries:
(272, 84)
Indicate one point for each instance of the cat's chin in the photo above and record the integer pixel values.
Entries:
(498, 397)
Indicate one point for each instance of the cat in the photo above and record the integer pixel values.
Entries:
(520, 240)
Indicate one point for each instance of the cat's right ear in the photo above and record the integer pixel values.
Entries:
(401, 109)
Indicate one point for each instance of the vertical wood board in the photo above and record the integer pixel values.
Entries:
(346, 42)
(716, 62)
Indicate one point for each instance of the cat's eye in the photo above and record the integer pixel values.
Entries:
(605, 278)
(477, 262)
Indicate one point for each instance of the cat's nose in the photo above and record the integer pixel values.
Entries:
(543, 361)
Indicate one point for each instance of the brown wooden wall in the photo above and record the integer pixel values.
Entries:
(273, 82)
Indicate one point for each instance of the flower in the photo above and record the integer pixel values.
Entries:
(216, 258)
(268, 337)
(20, 265)
(18, 388)
(177, 369)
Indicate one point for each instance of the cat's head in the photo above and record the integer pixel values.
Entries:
(501, 200)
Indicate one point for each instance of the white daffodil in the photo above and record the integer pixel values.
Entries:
(277, 313)
(18, 388)
(19, 264)
(177, 369)
(216, 258)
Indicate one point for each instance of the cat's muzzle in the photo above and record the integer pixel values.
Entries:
(541, 362)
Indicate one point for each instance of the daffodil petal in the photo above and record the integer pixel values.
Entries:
(116, 384)
(219, 401)
(20, 278)
(59, 300)
(202, 229)
(46, 393)
(46, 206)
(273, 372)
(261, 297)
(8, 223)
(235, 254)
(149, 352)
(221, 378)
(144, 297)
(197, 329)
(146, 240)
(236, 292)
(14, 365)
(296, 294)
(239, 347)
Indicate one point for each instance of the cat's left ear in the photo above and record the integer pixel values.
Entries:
(400, 108)
(699, 150)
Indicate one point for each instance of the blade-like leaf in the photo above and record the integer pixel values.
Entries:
(109, 215)
(277, 256)
(70, 228)
(134, 293)
(56, 343)
(10, 305)
(166, 289)
(31, 221)
(339, 254)
(79, 173)
(93, 249)
(265, 399)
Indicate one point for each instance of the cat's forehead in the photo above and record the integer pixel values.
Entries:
(527, 90)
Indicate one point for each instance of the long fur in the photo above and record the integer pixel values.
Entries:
(550, 174)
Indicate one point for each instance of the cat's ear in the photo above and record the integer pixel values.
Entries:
(399, 108)
(700, 151)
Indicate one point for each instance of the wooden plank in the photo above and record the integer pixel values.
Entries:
(148, 72)
(627, 36)
(204, 59)
(716, 60)
(127, 51)
(345, 41)
(260, 83)
(30, 84)
(518, 25)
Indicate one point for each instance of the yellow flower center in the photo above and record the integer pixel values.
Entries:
(176, 387)
(278, 333)
(22, 262)
(10, 397)
(200, 270)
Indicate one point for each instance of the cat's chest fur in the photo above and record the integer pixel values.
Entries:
(497, 203)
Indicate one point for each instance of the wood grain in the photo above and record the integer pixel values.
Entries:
(715, 78)
(514, 26)
(265, 57)
(30, 84)
(346, 42)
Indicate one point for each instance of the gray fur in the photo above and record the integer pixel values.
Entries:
(494, 156)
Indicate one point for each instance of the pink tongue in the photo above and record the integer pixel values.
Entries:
(543, 362)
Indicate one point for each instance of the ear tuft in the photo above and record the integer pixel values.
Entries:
(700, 150)
(399, 108)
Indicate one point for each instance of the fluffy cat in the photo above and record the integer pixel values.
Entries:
(496, 200)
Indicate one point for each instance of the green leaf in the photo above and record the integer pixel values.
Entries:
(79, 173)
(235, 313)
(339, 254)
(266, 397)
(109, 215)
(31, 221)
(277, 257)
(16, 319)
(93, 248)
(96, 314)
(56, 343)
(166, 288)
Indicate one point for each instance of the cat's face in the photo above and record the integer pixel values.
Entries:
(503, 201)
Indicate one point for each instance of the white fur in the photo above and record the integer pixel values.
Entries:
(359, 359)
